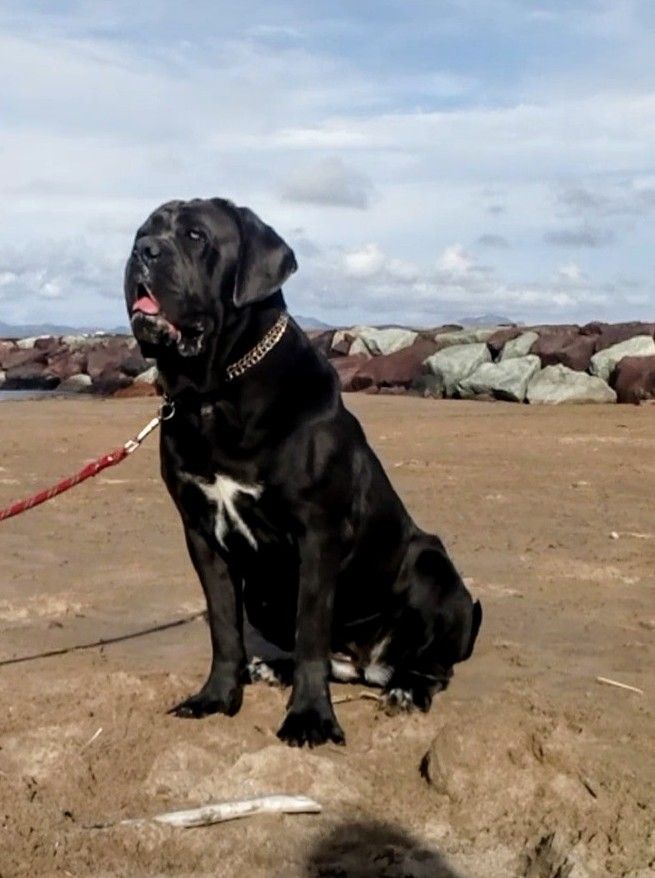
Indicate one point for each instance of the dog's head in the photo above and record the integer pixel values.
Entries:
(193, 265)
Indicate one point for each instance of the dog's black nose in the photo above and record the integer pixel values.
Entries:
(147, 249)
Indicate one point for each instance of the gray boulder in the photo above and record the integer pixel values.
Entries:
(341, 343)
(381, 342)
(80, 342)
(454, 363)
(603, 363)
(79, 383)
(472, 335)
(147, 377)
(558, 384)
(520, 346)
(27, 344)
(359, 348)
(3, 376)
(507, 379)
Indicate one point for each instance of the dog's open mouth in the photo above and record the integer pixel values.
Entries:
(150, 325)
(148, 321)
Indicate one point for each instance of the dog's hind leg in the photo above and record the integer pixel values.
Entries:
(436, 629)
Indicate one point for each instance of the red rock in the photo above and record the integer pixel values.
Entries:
(66, 363)
(346, 367)
(108, 355)
(6, 348)
(577, 354)
(47, 343)
(23, 357)
(568, 348)
(555, 329)
(109, 381)
(550, 345)
(593, 328)
(133, 363)
(29, 376)
(394, 370)
(633, 379)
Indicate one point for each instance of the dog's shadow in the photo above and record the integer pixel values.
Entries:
(370, 849)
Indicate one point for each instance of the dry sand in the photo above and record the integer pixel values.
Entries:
(526, 766)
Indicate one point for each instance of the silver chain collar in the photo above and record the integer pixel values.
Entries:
(257, 354)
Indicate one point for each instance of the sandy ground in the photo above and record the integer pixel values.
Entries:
(526, 766)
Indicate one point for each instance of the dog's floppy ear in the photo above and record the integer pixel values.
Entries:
(265, 260)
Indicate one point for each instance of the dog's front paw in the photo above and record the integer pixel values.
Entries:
(312, 726)
(206, 702)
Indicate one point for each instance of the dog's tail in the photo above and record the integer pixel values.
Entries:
(476, 621)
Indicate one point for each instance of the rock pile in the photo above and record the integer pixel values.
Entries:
(102, 364)
(598, 362)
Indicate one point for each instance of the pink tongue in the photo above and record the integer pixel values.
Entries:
(146, 305)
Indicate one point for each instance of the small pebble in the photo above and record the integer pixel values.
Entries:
(614, 535)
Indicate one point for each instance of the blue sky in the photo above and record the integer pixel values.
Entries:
(426, 160)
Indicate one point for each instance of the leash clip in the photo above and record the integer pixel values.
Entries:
(166, 409)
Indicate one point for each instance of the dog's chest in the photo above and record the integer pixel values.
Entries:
(232, 503)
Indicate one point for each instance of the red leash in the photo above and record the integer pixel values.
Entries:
(166, 411)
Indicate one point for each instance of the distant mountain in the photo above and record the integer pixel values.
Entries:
(311, 322)
(22, 330)
(487, 320)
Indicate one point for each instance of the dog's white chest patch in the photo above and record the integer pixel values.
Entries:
(224, 494)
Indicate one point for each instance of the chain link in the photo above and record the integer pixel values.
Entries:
(256, 354)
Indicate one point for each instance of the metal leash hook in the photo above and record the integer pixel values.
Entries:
(165, 413)
(166, 409)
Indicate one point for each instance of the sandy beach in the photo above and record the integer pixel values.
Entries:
(526, 765)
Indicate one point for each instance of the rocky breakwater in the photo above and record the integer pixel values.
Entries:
(548, 364)
(102, 364)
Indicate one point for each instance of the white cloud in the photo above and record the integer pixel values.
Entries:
(350, 287)
(571, 272)
(594, 134)
(454, 260)
(367, 261)
(115, 108)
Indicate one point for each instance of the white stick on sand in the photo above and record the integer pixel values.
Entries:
(608, 682)
(222, 811)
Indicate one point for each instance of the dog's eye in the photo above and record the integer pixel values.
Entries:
(196, 235)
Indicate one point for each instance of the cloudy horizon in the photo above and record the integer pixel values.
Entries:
(427, 162)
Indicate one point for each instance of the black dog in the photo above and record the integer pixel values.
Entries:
(286, 509)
